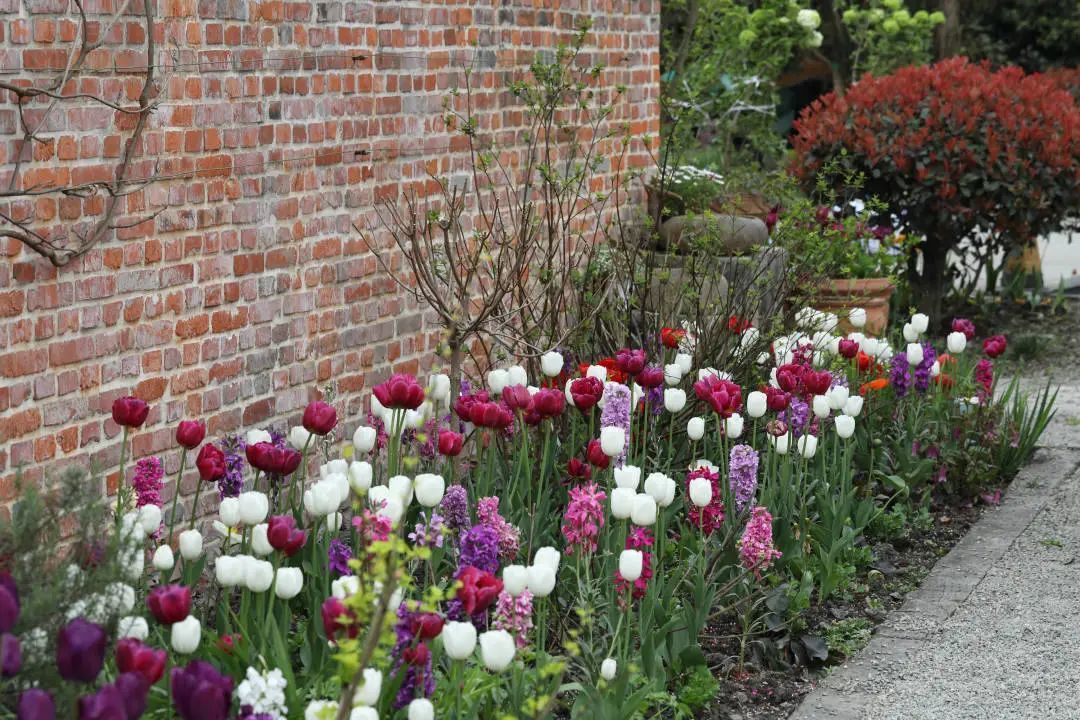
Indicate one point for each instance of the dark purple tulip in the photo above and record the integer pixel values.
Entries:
(319, 417)
(106, 704)
(10, 655)
(9, 603)
(80, 650)
(36, 704)
(134, 690)
(200, 692)
(129, 411)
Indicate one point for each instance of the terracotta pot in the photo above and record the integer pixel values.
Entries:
(872, 294)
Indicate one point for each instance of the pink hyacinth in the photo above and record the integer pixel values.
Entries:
(710, 517)
(373, 527)
(147, 481)
(583, 518)
(514, 615)
(638, 539)
(487, 510)
(756, 548)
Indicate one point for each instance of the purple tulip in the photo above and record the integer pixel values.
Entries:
(106, 704)
(10, 655)
(134, 689)
(9, 603)
(200, 692)
(36, 704)
(80, 650)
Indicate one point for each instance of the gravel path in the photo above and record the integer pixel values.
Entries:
(994, 631)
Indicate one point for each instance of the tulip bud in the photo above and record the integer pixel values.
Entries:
(547, 556)
(822, 409)
(459, 639)
(319, 418)
(364, 438)
(612, 441)
(421, 709)
(857, 317)
(258, 575)
(515, 579)
(551, 363)
(701, 491)
(920, 322)
(191, 544)
(229, 511)
(807, 445)
(853, 406)
(186, 635)
(132, 627)
(344, 586)
(695, 428)
(685, 361)
(254, 507)
(497, 649)
(298, 437)
(845, 426)
(622, 502)
(644, 512)
(360, 476)
(516, 375)
(733, 426)
(756, 404)
(608, 669)
(628, 476)
(956, 342)
(630, 563)
(673, 374)
(288, 582)
(163, 558)
(541, 580)
(935, 369)
(674, 399)
(914, 353)
(429, 489)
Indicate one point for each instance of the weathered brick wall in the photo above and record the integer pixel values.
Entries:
(250, 289)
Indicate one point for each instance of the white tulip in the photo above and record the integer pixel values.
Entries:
(150, 518)
(701, 491)
(644, 512)
(334, 521)
(673, 374)
(914, 353)
(186, 635)
(260, 543)
(191, 544)
(910, 333)
(612, 441)
(368, 692)
(838, 396)
(516, 375)
(440, 388)
(695, 428)
(288, 582)
(921, 322)
(853, 406)
(299, 437)
(822, 408)
(551, 363)
(258, 575)
(757, 403)
(733, 426)
(674, 399)
(381, 412)
(163, 558)
(515, 579)
(496, 380)
(685, 361)
(228, 571)
(780, 444)
(321, 499)
(421, 709)
(807, 446)
(459, 639)
(656, 484)
(364, 438)
(622, 502)
(132, 627)
(497, 649)
(935, 369)
(363, 713)
(333, 467)
(956, 342)
(857, 317)
(597, 371)
(636, 394)
(541, 580)
(845, 426)
(229, 511)
(378, 495)
(254, 507)
(608, 669)
(345, 586)
(749, 337)
(628, 476)
(393, 509)
(630, 563)
(703, 463)
(429, 489)
(547, 556)
(402, 487)
(360, 475)
(254, 437)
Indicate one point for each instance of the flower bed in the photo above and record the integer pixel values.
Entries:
(561, 544)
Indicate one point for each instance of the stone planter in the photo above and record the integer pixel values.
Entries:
(872, 294)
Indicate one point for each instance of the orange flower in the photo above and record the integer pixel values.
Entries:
(946, 359)
(945, 381)
(876, 384)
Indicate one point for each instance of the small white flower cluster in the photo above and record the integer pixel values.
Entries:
(690, 173)
(264, 692)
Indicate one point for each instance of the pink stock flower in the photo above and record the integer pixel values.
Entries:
(583, 518)
(514, 615)
(756, 550)
(487, 511)
(711, 517)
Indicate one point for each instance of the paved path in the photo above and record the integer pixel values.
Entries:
(994, 631)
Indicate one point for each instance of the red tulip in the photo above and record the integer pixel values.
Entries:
(776, 399)
(418, 655)
(817, 382)
(995, 346)
(650, 377)
(864, 361)
(319, 418)
(586, 392)
(169, 603)
(133, 656)
(262, 456)
(848, 348)
(491, 415)
(129, 411)
(579, 469)
(211, 463)
(789, 378)
(549, 402)
(479, 589)
(464, 403)
(337, 618)
(400, 392)
(595, 455)
(283, 535)
(427, 626)
(517, 397)
(190, 433)
(450, 443)
(671, 337)
(723, 396)
(630, 361)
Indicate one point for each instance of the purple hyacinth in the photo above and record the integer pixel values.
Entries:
(455, 508)
(742, 470)
(480, 548)
(417, 678)
(655, 399)
(339, 555)
(617, 413)
(922, 372)
(428, 533)
(797, 416)
(900, 374)
(232, 482)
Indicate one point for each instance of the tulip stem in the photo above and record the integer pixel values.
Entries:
(292, 481)
(120, 481)
(195, 503)
(176, 497)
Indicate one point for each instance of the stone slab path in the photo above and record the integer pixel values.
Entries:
(994, 631)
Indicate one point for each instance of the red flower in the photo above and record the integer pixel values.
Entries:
(738, 325)
(491, 415)
(595, 454)
(287, 460)
(479, 589)
(776, 399)
(848, 348)
(400, 392)
(427, 626)
(579, 469)
(169, 603)
(229, 641)
(586, 392)
(817, 382)
(614, 372)
(650, 377)
(789, 378)
(129, 411)
(450, 443)
(994, 346)
(337, 618)
(864, 361)
(262, 456)
(418, 655)
(190, 434)
(283, 535)
(517, 397)
(464, 403)
(211, 463)
(319, 417)
(671, 337)
(963, 325)
(549, 402)
(133, 656)
(630, 361)
(724, 396)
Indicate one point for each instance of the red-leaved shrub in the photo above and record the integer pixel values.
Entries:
(956, 145)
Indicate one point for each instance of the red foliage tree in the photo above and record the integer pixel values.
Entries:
(958, 148)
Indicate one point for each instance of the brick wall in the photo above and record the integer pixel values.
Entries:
(250, 289)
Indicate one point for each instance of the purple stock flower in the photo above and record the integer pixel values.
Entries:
(428, 533)
(80, 650)
(232, 482)
(106, 704)
(480, 548)
(455, 507)
(36, 704)
(416, 677)
(10, 655)
(617, 413)
(900, 374)
(200, 692)
(339, 555)
(655, 399)
(9, 602)
(922, 372)
(742, 470)
(797, 416)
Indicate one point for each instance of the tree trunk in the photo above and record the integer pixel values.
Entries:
(454, 342)
(931, 285)
(947, 36)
